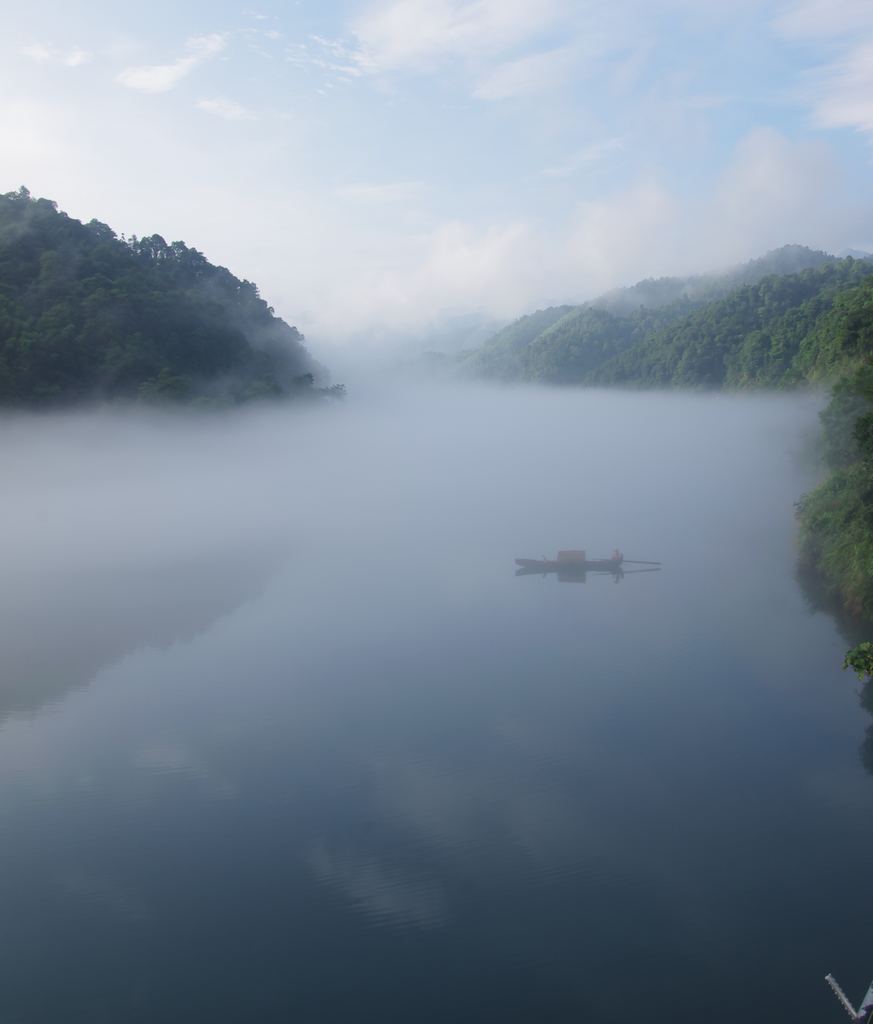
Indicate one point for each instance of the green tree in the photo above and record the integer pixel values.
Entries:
(86, 315)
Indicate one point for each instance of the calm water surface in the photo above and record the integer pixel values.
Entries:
(283, 737)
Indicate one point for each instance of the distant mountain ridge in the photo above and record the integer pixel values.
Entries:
(86, 315)
(658, 332)
(663, 291)
(783, 331)
(503, 357)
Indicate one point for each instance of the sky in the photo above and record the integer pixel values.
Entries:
(382, 167)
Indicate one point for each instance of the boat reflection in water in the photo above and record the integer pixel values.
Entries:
(574, 566)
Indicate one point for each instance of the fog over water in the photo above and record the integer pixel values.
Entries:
(283, 736)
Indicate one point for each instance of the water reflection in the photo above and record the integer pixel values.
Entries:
(569, 574)
(105, 895)
(384, 893)
(820, 598)
(59, 633)
(573, 566)
(867, 745)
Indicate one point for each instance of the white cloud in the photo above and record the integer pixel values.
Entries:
(76, 58)
(585, 158)
(230, 110)
(463, 259)
(38, 52)
(820, 19)
(704, 101)
(163, 77)
(381, 192)
(774, 191)
(621, 237)
(841, 92)
(402, 280)
(32, 133)
(507, 48)
(526, 76)
(43, 54)
(333, 57)
(423, 33)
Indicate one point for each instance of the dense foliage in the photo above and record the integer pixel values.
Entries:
(664, 291)
(837, 518)
(774, 333)
(860, 660)
(86, 315)
(504, 356)
(577, 345)
(766, 323)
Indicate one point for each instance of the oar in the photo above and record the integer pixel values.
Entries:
(638, 561)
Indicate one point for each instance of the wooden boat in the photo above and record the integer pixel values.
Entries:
(570, 565)
(574, 564)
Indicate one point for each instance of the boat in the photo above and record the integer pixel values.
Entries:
(572, 561)
(564, 565)
(573, 565)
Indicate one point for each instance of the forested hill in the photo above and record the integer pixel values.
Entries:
(663, 291)
(86, 315)
(505, 356)
(782, 331)
(756, 325)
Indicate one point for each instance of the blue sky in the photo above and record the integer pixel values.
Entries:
(377, 165)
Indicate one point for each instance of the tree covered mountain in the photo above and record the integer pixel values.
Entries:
(775, 333)
(504, 357)
(836, 519)
(664, 291)
(736, 329)
(86, 315)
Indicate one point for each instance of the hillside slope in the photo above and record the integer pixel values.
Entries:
(85, 315)
(649, 334)
(769, 334)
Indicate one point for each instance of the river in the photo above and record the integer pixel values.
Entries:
(283, 737)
